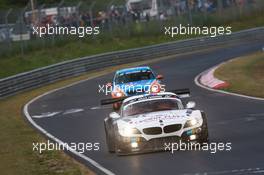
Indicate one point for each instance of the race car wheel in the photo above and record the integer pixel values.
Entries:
(204, 135)
(109, 138)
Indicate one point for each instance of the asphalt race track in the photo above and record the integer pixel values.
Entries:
(67, 115)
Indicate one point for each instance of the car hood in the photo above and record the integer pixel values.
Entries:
(160, 118)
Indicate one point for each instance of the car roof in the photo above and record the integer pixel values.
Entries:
(133, 69)
(146, 96)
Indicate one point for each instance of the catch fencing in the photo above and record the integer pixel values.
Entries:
(114, 19)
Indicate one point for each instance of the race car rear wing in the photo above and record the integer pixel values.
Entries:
(181, 93)
(112, 100)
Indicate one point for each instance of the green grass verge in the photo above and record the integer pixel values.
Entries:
(16, 138)
(244, 74)
(43, 57)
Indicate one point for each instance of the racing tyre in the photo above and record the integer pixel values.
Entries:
(109, 139)
(204, 135)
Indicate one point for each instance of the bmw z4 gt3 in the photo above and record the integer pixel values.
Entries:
(145, 123)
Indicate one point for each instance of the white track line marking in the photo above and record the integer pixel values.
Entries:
(196, 80)
(243, 119)
(45, 115)
(257, 114)
(26, 113)
(259, 171)
(235, 171)
(51, 114)
(100, 107)
(250, 119)
(72, 111)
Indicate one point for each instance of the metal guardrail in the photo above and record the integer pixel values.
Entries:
(39, 77)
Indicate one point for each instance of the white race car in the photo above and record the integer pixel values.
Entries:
(146, 122)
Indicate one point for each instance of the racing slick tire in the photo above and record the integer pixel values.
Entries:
(118, 149)
(204, 135)
(110, 141)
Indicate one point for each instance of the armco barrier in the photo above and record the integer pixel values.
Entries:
(38, 77)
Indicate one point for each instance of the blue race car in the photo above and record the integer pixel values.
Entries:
(135, 81)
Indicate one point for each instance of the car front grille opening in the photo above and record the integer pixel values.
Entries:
(172, 128)
(152, 131)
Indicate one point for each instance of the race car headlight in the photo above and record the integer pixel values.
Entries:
(127, 131)
(118, 93)
(190, 123)
(155, 88)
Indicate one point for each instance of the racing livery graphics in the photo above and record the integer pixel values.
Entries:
(146, 122)
(135, 81)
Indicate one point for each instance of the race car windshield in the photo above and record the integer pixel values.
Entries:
(132, 77)
(151, 106)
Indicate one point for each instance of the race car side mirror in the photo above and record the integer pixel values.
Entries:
(190, 105)
(159, 77)
(114, 115)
